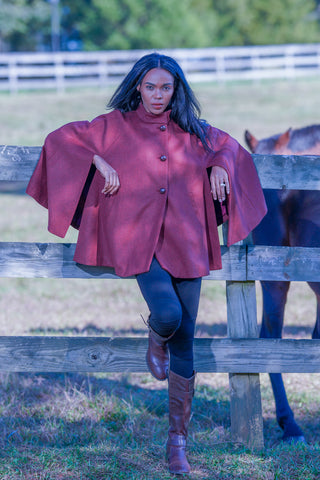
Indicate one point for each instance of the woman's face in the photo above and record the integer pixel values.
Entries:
(156, 90)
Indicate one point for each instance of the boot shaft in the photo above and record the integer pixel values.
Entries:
(181, 391)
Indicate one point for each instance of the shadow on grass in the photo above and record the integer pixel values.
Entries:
(115, 423)
(220, 330)
(63, 408)
(90, 330)
(202, 330)
(92, 427)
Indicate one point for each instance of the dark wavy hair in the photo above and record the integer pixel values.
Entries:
(185, 108)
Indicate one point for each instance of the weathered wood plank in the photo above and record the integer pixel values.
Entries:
(246, 423)
(242, 311)
(45, 260)
(275, 171)
(122, 354)
(283, 263)
(55, 260)
(234, 264)
(17, 163)
(301, 172)
(246, 410)
(257, 355)
(245, 396)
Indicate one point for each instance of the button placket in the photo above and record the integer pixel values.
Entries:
(163, 158)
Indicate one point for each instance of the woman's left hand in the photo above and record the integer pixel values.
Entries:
(219, 183)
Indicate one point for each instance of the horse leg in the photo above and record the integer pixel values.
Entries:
(274, 300)
(316, 288)
(292, 433)
(306, 233)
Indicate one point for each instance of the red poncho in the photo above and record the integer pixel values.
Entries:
(164, 206)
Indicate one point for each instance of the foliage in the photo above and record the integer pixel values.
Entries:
(150, 24)
(125, 24)
(254, 22)
(23, 23)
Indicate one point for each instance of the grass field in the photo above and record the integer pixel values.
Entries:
(68, 427)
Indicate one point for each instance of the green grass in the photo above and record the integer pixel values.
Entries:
(110, 427)
(263, 107)
(114, 427)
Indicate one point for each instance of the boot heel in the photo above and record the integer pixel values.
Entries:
(176, 455)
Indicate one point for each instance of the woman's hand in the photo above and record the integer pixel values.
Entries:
(112, 182)
(219, 183)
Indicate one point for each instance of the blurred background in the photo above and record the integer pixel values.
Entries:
(71, 25)
(253, 64)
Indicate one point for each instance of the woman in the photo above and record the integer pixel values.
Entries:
(142, 184)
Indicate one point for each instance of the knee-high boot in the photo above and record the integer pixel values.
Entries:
(158, 355)
(181, 391)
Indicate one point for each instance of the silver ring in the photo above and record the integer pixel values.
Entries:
(222, 184)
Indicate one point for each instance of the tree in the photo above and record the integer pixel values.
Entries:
(154, 24)
(21, 22)
(124, 24)
(256, 22)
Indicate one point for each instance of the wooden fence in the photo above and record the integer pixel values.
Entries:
(60, 70)
(242, 354)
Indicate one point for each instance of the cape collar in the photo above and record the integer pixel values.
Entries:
(147, 117)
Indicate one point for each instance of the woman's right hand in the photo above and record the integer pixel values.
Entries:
(112, 182)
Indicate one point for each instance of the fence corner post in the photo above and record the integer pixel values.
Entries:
(245, 396)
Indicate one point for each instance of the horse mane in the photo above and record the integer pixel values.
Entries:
(304, 138)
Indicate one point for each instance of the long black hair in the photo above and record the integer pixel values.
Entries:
(185, 108)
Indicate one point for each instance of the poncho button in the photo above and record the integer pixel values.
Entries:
(163, 158)
(162, 190)
(163, 128)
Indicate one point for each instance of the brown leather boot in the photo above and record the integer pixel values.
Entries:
(158, 355)
(181, 392)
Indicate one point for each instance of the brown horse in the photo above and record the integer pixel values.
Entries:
(293, 219)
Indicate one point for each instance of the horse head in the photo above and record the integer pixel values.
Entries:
(277, 144)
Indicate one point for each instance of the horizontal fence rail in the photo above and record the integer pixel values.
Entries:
(60, 70)
(55, 260)
(239, 263)
(121, 354)
(275, 171)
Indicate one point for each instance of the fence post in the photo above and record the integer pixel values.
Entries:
(220, 66)
(13, 74)
(289, 62)
(59, 72)
(245, 396)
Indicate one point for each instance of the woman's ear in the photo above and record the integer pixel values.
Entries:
(138, 87)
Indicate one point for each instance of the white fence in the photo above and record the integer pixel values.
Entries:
(69, 69)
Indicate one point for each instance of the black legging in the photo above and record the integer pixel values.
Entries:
(173, 304)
